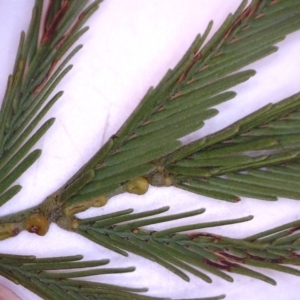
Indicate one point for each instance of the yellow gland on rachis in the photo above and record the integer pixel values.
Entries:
(79, 207)
(37, 223)
(138, 186)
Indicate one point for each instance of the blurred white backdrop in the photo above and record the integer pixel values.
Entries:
(129, 47)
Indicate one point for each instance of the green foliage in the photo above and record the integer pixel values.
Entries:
(34, 274)
(37, 71)
(256, 157)
(181, 103)
(213, 253)
(272, 130)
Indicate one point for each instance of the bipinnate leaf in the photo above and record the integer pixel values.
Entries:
(41, 63)
(44, 277)
(257, 157)
(147, 144)
(191, 252)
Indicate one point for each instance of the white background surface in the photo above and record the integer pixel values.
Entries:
(130, 45)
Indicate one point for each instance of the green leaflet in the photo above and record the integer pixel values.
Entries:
(217, 86)
(223, 189)
(10, 193)
(143, 154)
(25, 148)
(217, 161)
(197, 103)
(205, 189)
(21, 168)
